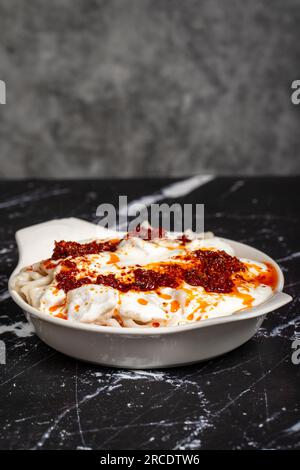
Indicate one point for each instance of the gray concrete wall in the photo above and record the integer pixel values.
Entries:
(149, 87)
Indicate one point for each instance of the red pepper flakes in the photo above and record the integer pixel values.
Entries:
(66, 281)
(64, 249)
(184, 239)
(68, 265)
(212, 270)
(48, 264)
(66, 278)
(148, 233)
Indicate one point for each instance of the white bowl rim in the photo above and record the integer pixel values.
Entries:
(244, 314)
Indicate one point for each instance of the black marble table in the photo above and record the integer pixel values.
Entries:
(246, 399)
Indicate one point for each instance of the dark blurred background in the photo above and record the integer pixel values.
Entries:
(102, 88)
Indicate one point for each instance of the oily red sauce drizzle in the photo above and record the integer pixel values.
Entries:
(269, 278)
(210, 269)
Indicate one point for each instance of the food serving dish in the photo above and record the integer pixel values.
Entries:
(130, 347)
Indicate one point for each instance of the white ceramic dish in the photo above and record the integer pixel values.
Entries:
(130, 347)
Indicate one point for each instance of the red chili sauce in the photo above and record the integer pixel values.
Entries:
(215, 271)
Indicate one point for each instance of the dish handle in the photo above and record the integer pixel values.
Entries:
(36, 242)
